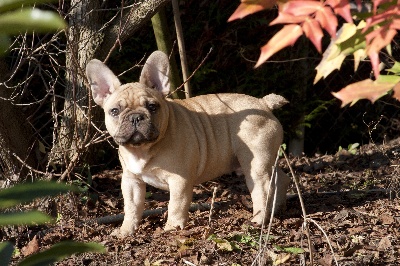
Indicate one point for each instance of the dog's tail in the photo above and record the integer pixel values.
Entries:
(274, 101)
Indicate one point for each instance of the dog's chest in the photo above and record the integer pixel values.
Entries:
(137, 166)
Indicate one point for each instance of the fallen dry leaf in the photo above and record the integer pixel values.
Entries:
(31, 247)
(384, 244)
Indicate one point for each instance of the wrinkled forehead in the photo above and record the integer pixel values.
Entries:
(131, 94)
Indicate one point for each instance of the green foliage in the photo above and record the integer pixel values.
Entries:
(321, 108)
(6, 252)
(16, 17)
(292, 250)
(22, 193)
(60, 251)
(351, 148)
(224, 244)
(27, 218)
(7, 5)
(27, 192)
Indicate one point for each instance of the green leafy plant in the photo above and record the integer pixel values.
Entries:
(17, 17)
(223, 243)
(292, 250)
(351, 148)
(23, 193)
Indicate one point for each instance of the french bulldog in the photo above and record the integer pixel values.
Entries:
(177, 144)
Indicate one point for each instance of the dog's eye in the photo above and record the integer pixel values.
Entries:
(114, 112)
(152, 107)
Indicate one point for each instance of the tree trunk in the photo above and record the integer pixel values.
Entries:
(15, 136)
(83, 37)
(88, 38)
(164, 43)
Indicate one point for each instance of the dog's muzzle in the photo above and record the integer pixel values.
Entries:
(136, 129)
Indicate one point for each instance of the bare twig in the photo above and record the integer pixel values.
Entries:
(194, 72)
(305, 225)
(181, 47)
(33, 169)
(209, 229)
(326, 236)
(151, 213)
(260, 255)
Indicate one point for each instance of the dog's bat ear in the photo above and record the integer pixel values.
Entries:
(155, 73)
(102, 81)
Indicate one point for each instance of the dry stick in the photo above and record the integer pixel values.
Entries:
(209, 229)
(33, 169)
(302, 206)
(212, 206)
(151, 213)
(194, 72)
(326, 236)
(181, 46)
(260, 254)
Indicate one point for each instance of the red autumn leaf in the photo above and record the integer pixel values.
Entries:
(327, 20)
(382, 37)
(288, 35)
(285, 18)
(249, 7)
(387, 16)
(366, 89)
(395, 24)
(379, 2)
(313, 31)
(301, 8)
(342, 8)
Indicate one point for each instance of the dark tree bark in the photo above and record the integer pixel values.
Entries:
(15, 135)
(89, 37)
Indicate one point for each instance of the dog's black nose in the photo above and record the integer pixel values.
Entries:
(136, 118)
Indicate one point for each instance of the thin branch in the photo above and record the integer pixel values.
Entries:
(132, 20)
(181, 47)
(326, 236)
(194, 72)
(152, 213)
(303, 209)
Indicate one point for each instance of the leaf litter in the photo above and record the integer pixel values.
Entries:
(352, 197)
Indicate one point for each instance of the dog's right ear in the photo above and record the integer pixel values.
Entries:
(102, 81)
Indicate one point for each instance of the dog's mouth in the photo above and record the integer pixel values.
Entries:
(137, 138)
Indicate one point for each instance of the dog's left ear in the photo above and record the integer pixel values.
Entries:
(155, 73)
(102, 81)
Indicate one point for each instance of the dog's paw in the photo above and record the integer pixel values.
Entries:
(171, 227)
(259, 218)
(122, 232)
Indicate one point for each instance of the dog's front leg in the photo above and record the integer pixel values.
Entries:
(181, 193)
(133, 191)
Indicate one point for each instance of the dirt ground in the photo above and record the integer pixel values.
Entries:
(349, 200)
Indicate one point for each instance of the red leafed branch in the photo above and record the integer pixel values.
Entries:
(312, 18)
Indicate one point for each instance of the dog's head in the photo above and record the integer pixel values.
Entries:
(135, 113)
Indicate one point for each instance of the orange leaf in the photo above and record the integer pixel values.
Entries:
(286, 18)
(288, 35)
(366, 89)
(382, 37)
(301, 8)
(342, 8)
(249, 7)
(327, 20)
(313, 31)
